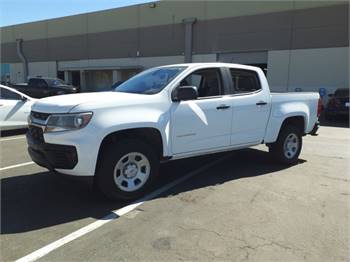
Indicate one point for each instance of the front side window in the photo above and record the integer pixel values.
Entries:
(151, 81)
(207, 81)
(244, 81)
(8, 94)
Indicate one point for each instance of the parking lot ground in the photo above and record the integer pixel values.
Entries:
(13, 151)
(244, 208)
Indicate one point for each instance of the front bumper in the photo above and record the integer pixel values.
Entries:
(50, 156)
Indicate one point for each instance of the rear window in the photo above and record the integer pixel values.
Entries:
(244, 81)
(39, 83)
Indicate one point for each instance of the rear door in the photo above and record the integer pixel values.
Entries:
(250, 103)
(205, 123)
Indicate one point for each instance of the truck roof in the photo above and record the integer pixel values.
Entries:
(44, 78)
(215, 64)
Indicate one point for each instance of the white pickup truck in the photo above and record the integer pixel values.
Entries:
(162, 114)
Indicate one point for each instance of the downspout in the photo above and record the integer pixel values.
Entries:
(23, 59)
(188, 38)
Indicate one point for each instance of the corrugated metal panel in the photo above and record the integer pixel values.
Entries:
(244, 57)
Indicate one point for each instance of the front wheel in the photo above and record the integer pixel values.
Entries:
(287, 148)
(127, 169)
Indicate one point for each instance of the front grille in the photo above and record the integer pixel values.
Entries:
(36, 133)
(62, 156)
(39, 115)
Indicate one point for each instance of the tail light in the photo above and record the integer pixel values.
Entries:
(319, 107)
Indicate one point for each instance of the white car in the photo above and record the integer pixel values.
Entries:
(166, 113)
(14, 108)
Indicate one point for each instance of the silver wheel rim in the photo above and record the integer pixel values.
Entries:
(131, 172)
(291, 146)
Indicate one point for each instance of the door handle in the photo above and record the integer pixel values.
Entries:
(261, 103)
(222, 107)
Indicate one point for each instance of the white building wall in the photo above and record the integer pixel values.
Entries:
(16, 73)
(45, 69)
(120, 63)
(309, 69)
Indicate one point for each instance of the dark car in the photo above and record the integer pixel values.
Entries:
(338, 104)
(40, 87)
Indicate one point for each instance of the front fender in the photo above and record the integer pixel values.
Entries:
(124, 119)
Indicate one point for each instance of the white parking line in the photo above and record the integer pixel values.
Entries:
(12, 138)
(14, 166)
(112, 216)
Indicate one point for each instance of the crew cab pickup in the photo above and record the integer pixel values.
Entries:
(162, 114)
(39, 87)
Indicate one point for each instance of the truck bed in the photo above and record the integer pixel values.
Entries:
(291, 104)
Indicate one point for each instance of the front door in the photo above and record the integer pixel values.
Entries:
(205, 123)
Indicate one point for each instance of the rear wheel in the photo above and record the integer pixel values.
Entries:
(287, 148)
(127, 169)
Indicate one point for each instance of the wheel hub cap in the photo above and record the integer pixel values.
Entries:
(131, 171)
(291, 146)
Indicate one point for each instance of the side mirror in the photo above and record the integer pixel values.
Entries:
(24, 99)
(184, 93)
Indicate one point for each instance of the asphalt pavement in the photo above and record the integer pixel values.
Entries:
(236, 206)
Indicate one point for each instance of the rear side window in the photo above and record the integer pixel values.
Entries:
(38, 83)
(244, 81)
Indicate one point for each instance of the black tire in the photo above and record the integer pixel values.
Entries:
(114, 153)
(277, 149)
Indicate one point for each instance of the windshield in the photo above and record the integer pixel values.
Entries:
(57, 82)
(150, 81)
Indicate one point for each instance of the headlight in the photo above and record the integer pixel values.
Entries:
(67, 122)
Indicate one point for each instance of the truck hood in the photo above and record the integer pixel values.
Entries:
(86, 101)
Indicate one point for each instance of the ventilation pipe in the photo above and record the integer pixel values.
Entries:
(23, 59)
(188, 38)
